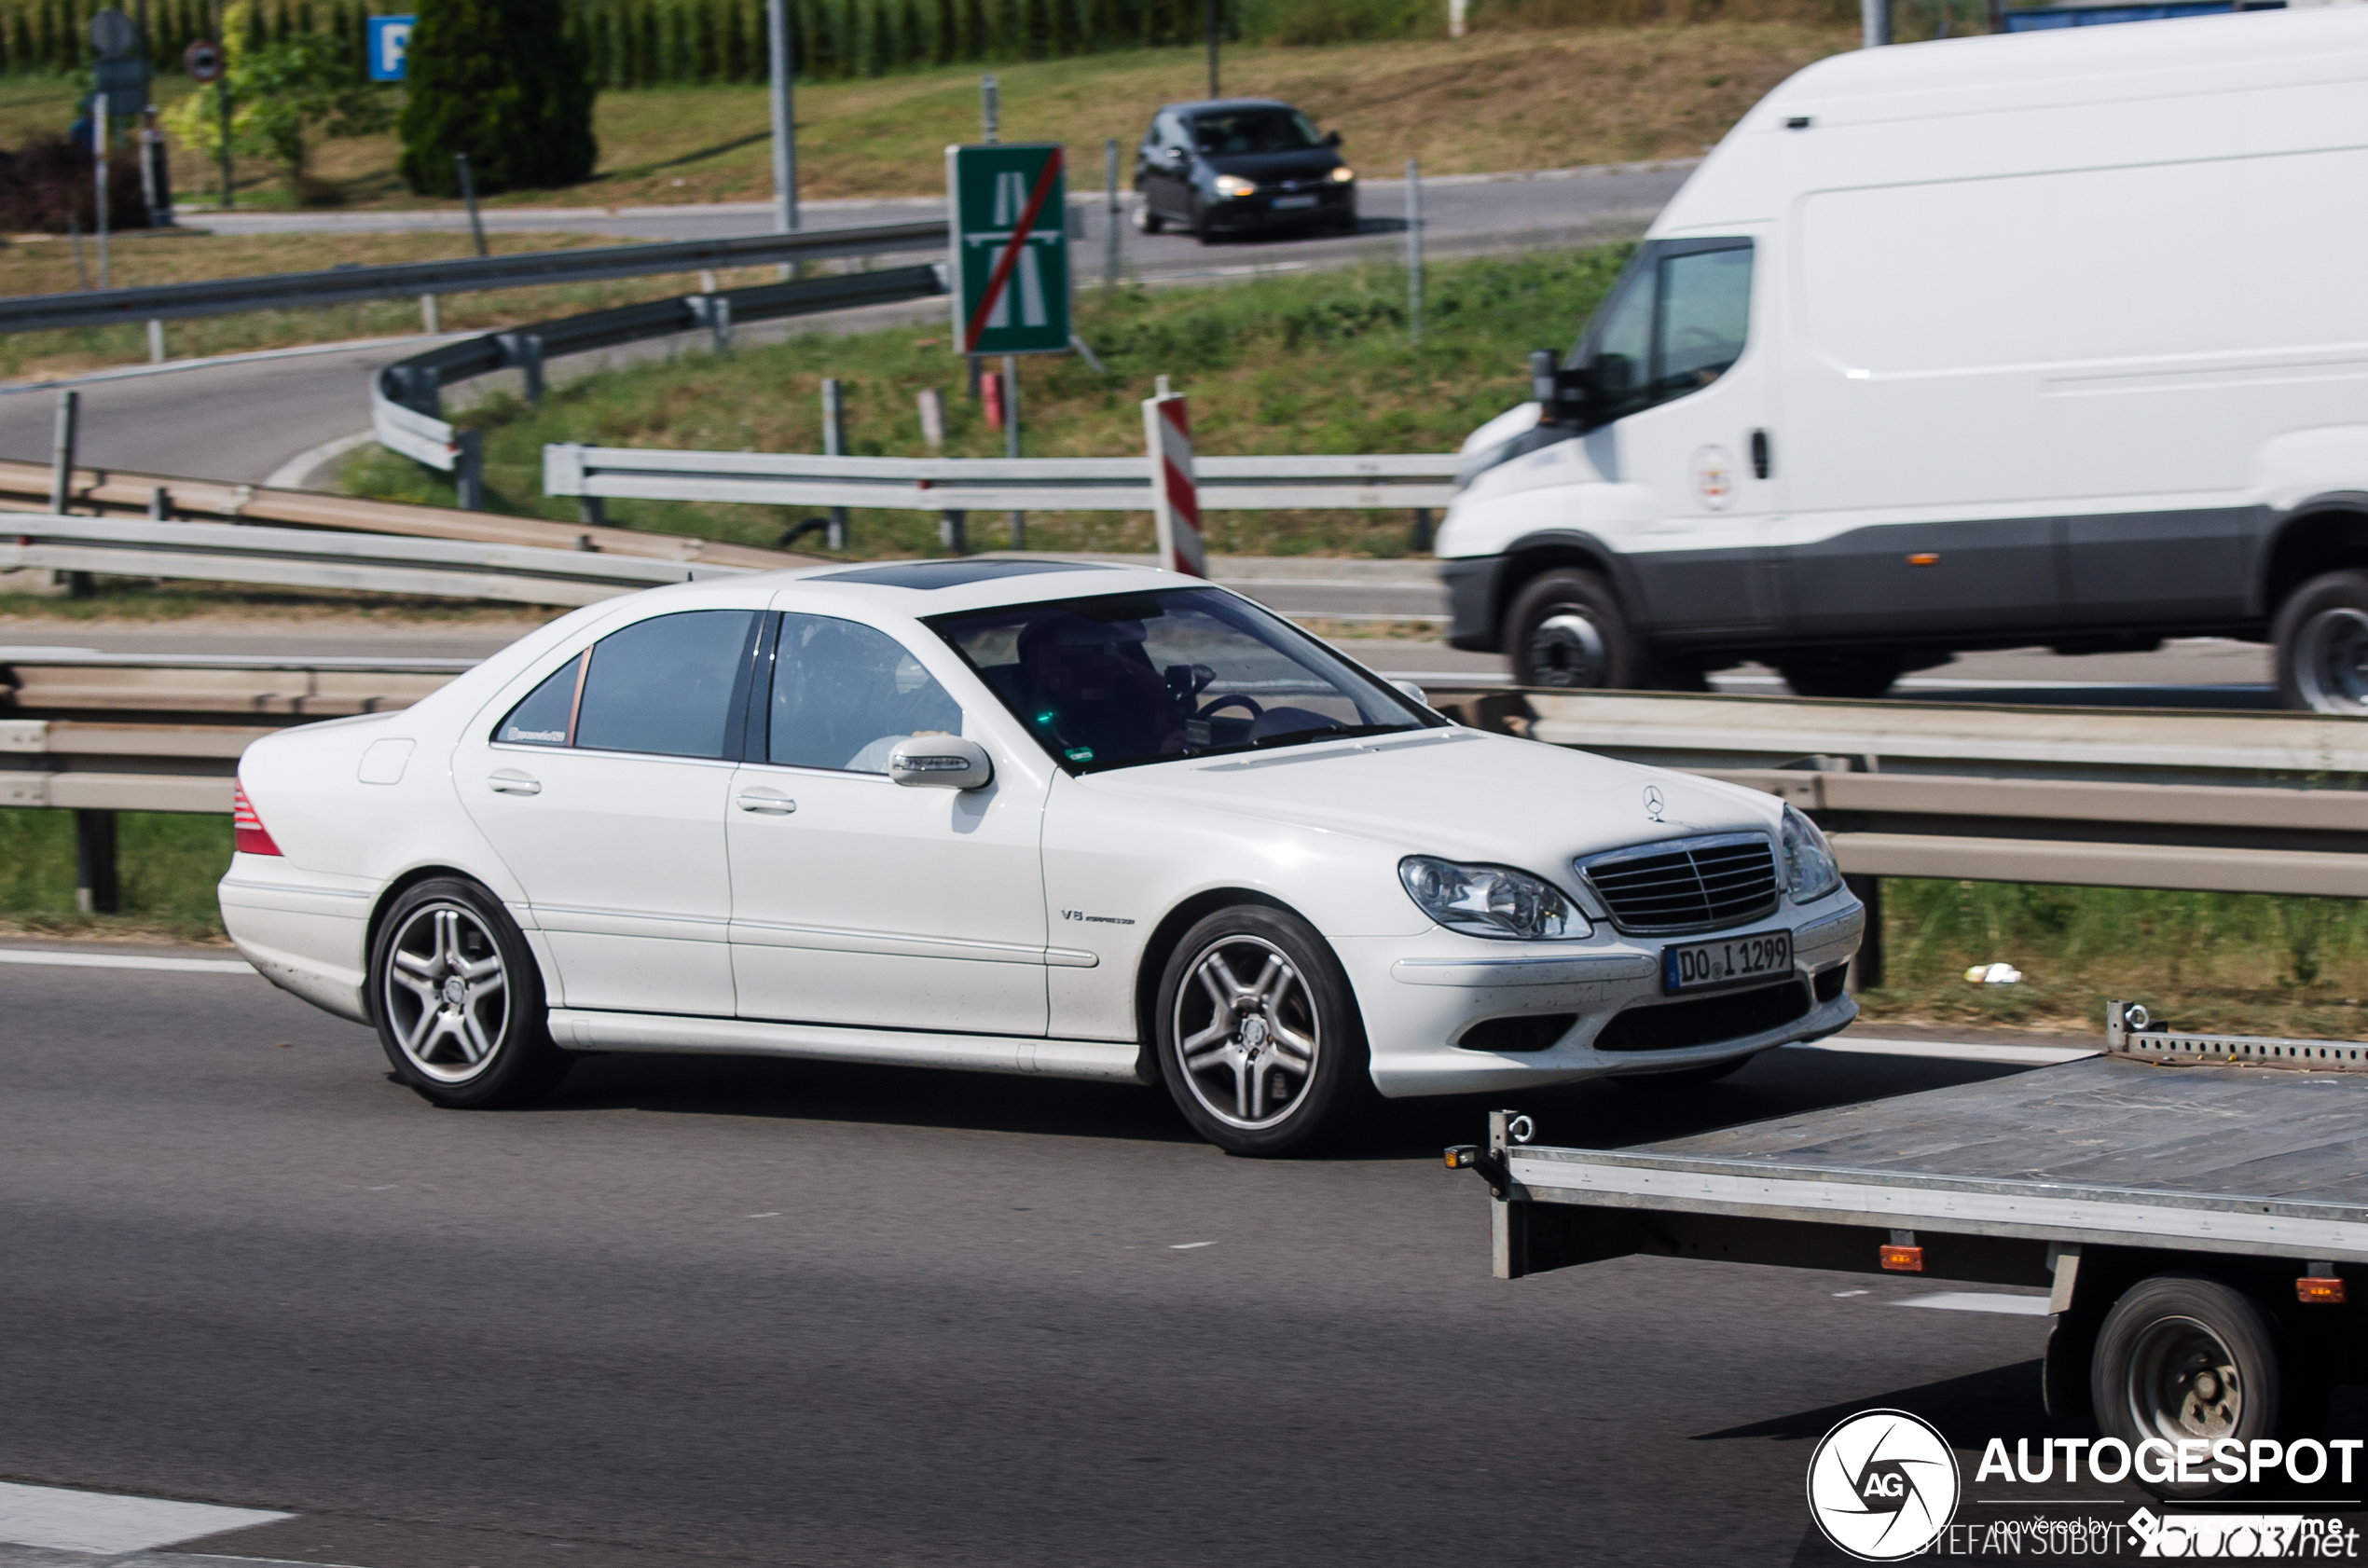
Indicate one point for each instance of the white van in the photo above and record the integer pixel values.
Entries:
(2051, 338)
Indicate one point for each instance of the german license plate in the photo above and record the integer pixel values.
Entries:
(1284, 203)
(1702, 965)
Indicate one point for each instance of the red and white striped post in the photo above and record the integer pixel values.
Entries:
(1175, 503)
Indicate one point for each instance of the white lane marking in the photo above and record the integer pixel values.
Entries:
(1980, 1301)
(290, 475)
(769, 1214)
(98, 1521)
(122, 961)
(1187, 1246)
(1964, 1051)
(1840, 1294)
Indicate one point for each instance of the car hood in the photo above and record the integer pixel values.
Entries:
(1457, 794)
(1309, 163)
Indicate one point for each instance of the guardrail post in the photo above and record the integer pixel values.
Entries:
(719, 322)
(1012, 437)
(954, 533)
(159, 504)
(156, 340)
(96, 891)
(62, 451)
(834, 445)
(468, 469)
(428, 322)
(1867, 964)
(1110, 240)
(1419, 539)
(592, 509)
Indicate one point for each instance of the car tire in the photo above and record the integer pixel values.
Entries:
(2322, 637)
(2183, 1356)
(1854, 676)
(1197, 224)
(458, 1000)
(1259, 1036)
(1567, 631)
(1146, 220)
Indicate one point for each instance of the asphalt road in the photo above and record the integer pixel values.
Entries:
(242, 421)
(719, 1311)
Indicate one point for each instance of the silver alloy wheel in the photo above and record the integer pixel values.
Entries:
(2331, 661)
(2184, 1383)
(1566, 649)
(447, 995)
(1248, 1048)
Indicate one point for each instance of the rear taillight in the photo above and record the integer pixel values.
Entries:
(247, 830)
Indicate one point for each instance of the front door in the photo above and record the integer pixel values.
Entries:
(860, 900)
(604, 790)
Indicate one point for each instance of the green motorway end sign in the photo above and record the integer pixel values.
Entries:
(1010, 264)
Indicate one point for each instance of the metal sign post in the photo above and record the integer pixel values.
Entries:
(1176, 504)
(205, 62)
(777, 44)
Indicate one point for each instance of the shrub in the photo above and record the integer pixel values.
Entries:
(504, 82)
(49, 178)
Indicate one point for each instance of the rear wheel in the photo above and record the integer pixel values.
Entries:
(2184, 1358)
(1259, 1039)
(459, 1000)
(2322, 634)
(1567, 631)
(1869, 673)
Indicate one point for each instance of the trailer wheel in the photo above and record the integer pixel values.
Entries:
(2322, 636)
(1568, 630)
(2182, 1357)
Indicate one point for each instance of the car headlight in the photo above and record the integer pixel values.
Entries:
(1229, 187)
(1489, 901)
(1343, 174)
(1809, 871)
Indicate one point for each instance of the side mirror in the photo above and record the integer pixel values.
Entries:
(1563, 391)
(1174, 158)
(940, 762)
(1332, 138)
(1408, 689)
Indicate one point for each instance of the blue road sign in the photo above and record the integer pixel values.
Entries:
(390, 47)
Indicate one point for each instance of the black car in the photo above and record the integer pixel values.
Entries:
(1241, 164)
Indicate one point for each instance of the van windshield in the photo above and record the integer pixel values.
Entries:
(1675, 321)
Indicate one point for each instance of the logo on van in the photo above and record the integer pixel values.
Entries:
(1712, 470)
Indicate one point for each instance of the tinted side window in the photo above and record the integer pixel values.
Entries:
(665, 684)
(543, 717)
(844, 694)
(1619, 343)
(1705, 314)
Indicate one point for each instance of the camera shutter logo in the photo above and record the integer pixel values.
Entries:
(1883, 1485)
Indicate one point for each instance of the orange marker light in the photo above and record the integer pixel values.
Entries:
(1902, 1259)
(1924, 558)
(2320, 1291)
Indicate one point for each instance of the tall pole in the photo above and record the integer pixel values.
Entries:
(1012, 437)
(1414, 249)
(222, 97)
(990, 112)
(469, 195)
(776, 29)
(1875, 19)
(1214, 7)
(99, 157)
(1110, 240)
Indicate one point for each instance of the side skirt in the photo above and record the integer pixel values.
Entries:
(1101, 1061)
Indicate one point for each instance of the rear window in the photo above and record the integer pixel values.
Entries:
(665, 685)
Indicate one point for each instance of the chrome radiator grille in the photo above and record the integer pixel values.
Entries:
(1685, 884)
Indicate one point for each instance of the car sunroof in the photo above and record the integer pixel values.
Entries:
(951, 574)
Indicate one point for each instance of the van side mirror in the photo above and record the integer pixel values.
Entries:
(1174, 158)
(1565, 394)
(1332, 138)
(940, 762)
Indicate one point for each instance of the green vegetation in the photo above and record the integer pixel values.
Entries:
(2228, 962)
(284, 96)
(1316, 363)
(502, 82)
(168, 866)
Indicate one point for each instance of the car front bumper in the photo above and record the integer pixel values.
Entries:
(1332, 204)
(1421, 999)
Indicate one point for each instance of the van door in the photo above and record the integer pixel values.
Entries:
(1693, 455)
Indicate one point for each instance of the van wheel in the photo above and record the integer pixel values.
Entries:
(1568, 631)
(2322, 634)
(1860, 675)
(458, 1001)
(1259, 1040)
(2184, 1358)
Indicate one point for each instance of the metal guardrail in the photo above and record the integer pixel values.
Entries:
(342, 285)
(297, 557)
(406, 397)
(24, 486)
(1414, 479)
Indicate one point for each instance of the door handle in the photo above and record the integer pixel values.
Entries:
(767, 802)
(510, 781)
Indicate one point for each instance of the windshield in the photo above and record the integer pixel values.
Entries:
(1233, 132)
(1185, 672)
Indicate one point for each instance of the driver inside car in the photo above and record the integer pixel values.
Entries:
(1097, 688)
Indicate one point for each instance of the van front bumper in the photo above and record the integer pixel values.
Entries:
(1471, 602)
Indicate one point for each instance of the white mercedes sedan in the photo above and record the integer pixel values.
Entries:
(1016, 815)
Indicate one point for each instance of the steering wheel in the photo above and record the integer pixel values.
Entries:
(1230, 699)
(1700, 337)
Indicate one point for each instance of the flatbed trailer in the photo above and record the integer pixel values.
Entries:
(2196, 1206)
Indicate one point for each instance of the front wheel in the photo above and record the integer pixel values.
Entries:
(1567, 631)
(2184, 1358)
(1147, 221)
(2322, 634)
(1259, 1040)
(458, 1001)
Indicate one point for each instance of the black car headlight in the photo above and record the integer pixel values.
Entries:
(1809, 871)
(1489, 901)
